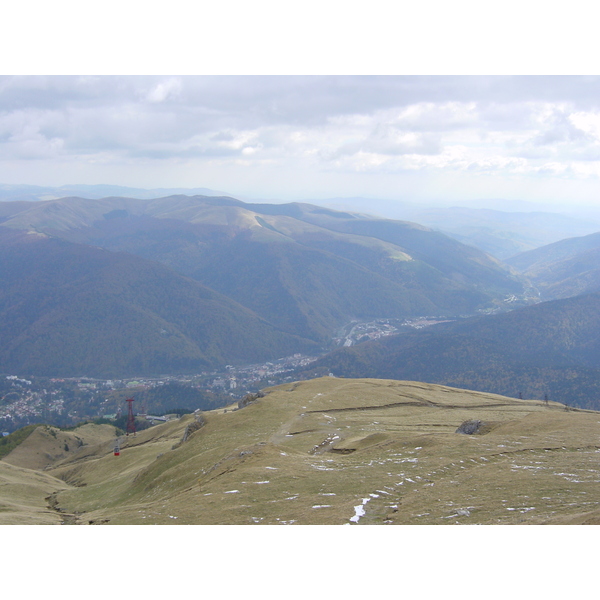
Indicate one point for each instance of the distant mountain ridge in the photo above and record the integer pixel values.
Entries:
(502, 228)
(37, 192)
(306, 269)
(566, 268)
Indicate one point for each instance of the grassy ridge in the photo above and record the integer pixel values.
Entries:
(338, 451)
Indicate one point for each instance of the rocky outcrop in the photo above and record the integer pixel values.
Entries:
(470, 427)
(199, 421)
(250, 398)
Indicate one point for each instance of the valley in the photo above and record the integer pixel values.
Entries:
(68, 401)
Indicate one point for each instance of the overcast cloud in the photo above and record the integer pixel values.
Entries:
(290, 137)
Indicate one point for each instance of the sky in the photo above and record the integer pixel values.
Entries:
(434, 104)
(419, 138)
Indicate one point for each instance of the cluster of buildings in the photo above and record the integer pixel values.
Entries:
(364, 331)
(21, 399)
(239, 380)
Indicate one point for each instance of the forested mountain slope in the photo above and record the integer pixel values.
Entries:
(68, 309)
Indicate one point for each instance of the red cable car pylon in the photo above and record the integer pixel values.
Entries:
(130, 418)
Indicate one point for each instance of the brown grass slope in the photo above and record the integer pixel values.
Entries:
(343, 451)
(47, 445)
(26, 493)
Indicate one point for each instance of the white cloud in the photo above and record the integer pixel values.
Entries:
(164, 90)
(320, 130)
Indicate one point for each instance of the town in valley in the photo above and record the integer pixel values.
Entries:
(66, 401)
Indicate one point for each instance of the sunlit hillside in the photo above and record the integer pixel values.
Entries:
(335, 451)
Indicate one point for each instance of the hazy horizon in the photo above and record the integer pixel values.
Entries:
(431, 140)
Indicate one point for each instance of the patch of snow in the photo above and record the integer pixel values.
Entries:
(321, 505)
(359, 511)
(272, 468)
(259, 482)
(232, 492)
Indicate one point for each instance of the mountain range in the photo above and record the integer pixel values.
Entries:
(502, 229)
(299, 270)
(37, 192)
(123, 286)
(565, 268)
